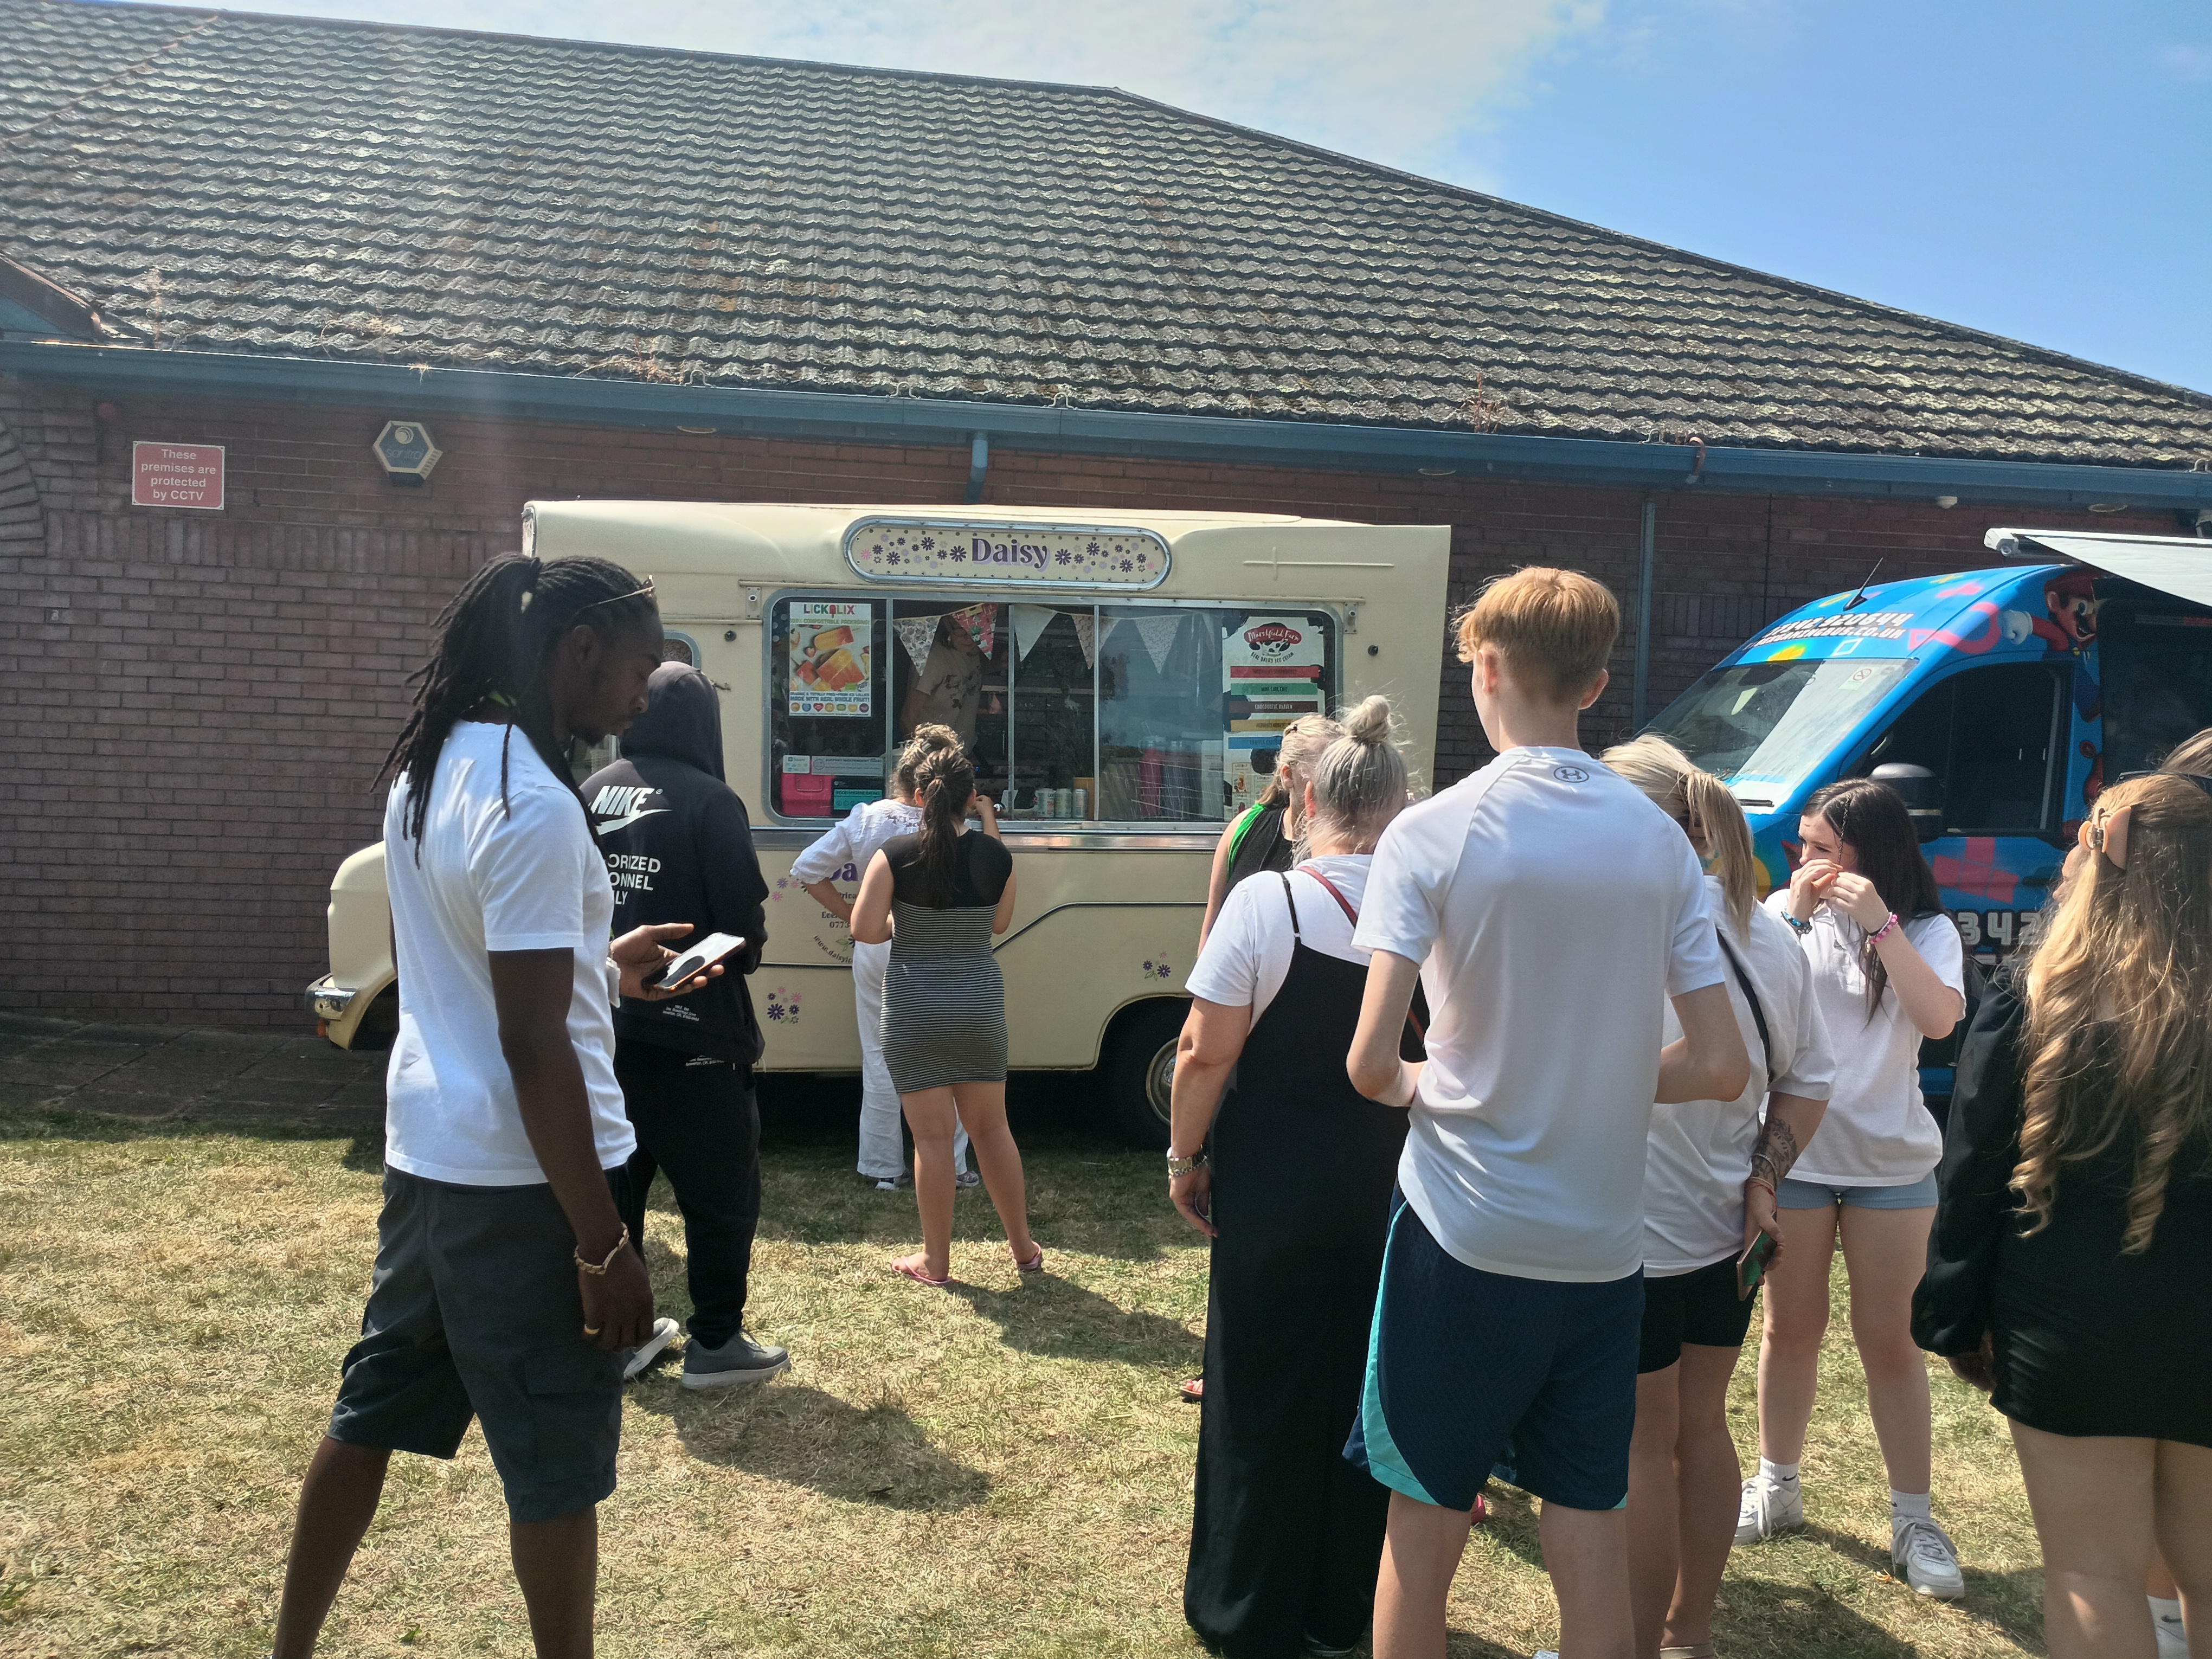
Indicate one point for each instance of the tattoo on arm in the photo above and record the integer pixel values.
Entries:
(1776, 1153)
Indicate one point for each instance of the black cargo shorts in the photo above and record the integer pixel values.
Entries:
(474, 1312)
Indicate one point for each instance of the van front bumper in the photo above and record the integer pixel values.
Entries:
(327, 1000)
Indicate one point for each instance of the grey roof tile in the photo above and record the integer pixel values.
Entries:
(383, 194)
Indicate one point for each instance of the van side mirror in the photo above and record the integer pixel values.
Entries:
(1922, 793)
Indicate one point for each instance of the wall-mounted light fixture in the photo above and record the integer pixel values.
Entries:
(1947, 501)
(406, 451)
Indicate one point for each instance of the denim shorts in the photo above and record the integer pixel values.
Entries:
(1798, 1195)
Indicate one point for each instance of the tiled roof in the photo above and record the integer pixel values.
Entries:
(231, 182)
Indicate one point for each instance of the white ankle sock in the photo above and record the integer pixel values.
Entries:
(2167, 1608)
(1909, 1506)
(1784, 1474)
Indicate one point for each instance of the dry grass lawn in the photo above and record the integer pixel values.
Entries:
(999, 1471)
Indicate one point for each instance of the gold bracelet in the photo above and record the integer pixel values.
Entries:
(600, 1270)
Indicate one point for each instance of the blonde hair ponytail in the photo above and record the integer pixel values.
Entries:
(1702, 805)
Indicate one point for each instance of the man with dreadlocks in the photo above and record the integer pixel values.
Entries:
(506, 1287)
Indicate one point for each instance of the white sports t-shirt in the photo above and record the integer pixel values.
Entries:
(1552, 909)
(855, 839)
(522, 877)
(1247, 957)
(1878, 1132)
(1699, 1151)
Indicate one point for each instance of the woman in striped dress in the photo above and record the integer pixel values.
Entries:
(938, 895)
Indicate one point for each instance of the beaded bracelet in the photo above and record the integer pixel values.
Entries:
(600, 1269)
(1797, 924)
(1884, 931)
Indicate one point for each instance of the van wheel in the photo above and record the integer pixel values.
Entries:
(1141, 1069)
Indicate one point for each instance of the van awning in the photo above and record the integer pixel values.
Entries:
(2180, 565)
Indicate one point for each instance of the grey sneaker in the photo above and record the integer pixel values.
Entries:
(967, 1178)
(738, 1361)
(1925, 1558)
(901, 1182)
(635, 1360)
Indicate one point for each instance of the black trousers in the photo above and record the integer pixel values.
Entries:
(696, 1121)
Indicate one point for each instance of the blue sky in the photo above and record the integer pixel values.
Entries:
(2036, 169)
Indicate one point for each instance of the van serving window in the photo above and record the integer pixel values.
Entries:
(1131, 715)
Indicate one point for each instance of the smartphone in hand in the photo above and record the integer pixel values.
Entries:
(697, 959)
(1751, 1266)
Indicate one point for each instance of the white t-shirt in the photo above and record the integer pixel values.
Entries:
(522, 877)
(1247, 957)
(1700, 1151)
(1553, 908)
(1878, 1132)
(855, 839)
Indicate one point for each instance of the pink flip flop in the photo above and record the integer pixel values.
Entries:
(1032, 1268)
(919, 1277)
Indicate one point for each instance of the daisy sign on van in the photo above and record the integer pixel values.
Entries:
(968, 553)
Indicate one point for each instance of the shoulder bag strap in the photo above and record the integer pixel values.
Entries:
(1292, 903)
(1757, 1013)
(1343, 903)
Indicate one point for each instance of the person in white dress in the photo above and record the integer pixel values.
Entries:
(848, 848)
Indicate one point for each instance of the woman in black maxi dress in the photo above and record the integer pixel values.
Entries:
(1287, 1536)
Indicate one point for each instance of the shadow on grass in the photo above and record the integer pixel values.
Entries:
(1060, 1320)
(1985, 1591)
(802, 1435)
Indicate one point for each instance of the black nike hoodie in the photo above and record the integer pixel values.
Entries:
(680, 849)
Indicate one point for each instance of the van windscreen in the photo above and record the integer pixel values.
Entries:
(1762, 727)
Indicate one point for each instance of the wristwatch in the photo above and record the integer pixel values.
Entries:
(1179, 1167)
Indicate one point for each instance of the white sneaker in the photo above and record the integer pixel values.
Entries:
(1925, 1558)
(636, 1359)
(1769, 1507)
(2172, 1640)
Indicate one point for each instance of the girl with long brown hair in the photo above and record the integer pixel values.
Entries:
(938, 895)
(1888, 970)
(2073, 1243)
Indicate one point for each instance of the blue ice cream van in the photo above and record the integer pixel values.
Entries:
(1996, 701)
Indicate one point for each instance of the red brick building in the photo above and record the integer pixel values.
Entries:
(605, 271)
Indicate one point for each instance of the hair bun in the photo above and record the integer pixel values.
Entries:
(1368, 721)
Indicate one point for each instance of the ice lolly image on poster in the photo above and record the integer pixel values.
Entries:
(831, 648)
(1272, 672)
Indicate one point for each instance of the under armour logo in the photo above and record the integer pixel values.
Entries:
(1571, 775)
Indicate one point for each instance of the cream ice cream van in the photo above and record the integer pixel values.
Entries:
(1120, 679)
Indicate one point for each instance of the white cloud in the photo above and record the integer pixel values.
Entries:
(1407, 83)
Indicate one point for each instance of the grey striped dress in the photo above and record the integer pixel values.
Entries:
(945, 1002)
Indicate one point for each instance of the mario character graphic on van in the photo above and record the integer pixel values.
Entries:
(2069, 629)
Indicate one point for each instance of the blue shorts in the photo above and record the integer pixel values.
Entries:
(1467, 1370)
(1796, 1195)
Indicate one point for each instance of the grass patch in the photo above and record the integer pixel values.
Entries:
(999, 1471)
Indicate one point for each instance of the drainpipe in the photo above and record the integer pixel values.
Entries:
(1639, 704)
(978, 463)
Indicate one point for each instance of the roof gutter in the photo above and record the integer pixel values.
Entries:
(422, 392)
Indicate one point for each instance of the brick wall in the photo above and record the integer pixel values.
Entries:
(200, 700)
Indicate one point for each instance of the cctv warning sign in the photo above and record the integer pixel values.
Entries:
(177, 475)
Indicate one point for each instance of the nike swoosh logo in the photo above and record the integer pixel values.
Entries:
(628, 819)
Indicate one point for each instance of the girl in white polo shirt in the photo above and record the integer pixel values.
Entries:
(1888, 970)
(849, 846)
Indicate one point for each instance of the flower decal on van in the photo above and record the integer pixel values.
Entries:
(1156, 966)
(782, 1006)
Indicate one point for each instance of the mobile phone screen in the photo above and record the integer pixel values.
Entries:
(696, 958)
